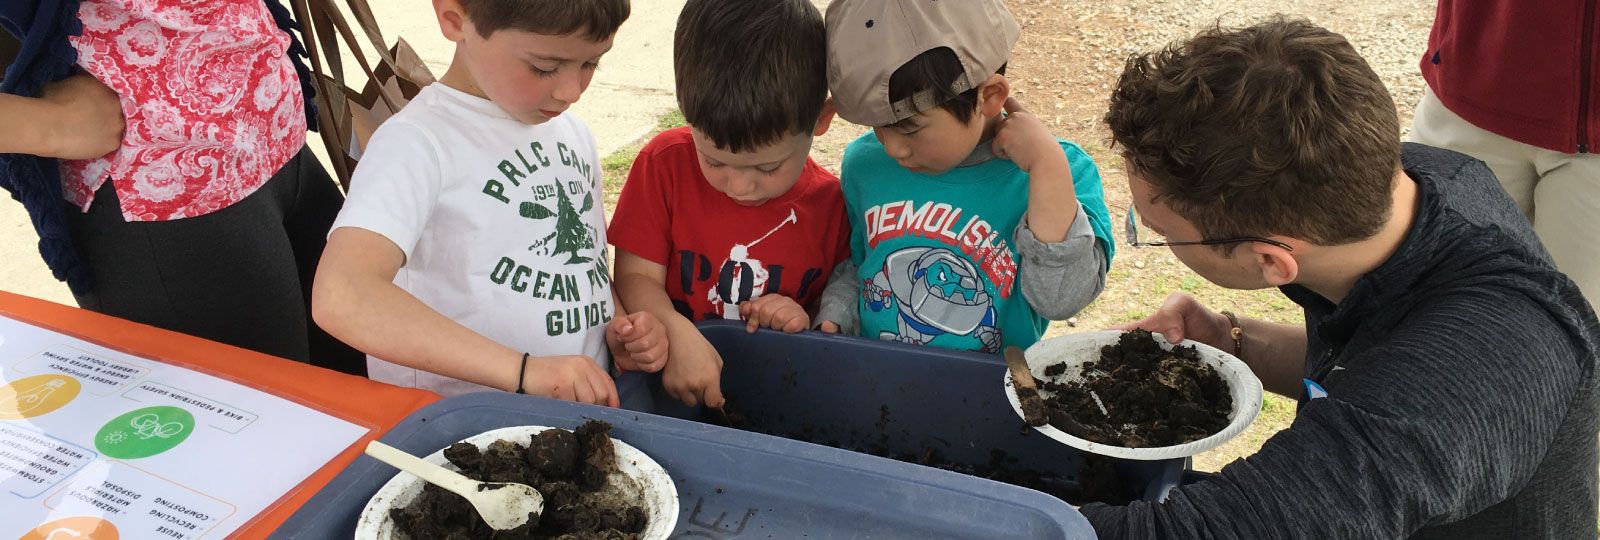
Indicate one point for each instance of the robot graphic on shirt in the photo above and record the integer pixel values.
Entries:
(936, 292)
(741, 278)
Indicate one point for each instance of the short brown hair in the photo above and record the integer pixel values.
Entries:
(1280, 128)
(750, 72)
(597, 19)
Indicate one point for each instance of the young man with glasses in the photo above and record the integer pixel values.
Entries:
(1445, 371)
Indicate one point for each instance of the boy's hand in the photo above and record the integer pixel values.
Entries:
(693, 375)
(572, 378)
(638, 342)
(828, 327)
(1025, 140)
(774, 311)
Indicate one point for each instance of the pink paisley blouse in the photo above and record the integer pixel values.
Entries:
(212, 103)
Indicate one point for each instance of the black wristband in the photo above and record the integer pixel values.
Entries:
(521, 373)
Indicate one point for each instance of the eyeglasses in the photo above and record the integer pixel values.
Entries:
(1133, 238)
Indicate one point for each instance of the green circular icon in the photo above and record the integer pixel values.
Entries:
(142, 433)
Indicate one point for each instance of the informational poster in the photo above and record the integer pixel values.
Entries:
(100, 445)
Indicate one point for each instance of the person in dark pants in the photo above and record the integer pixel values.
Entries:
(240, 275)
(1445, 373)
(206, 214)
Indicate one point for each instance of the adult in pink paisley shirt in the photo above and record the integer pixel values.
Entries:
(210, 216)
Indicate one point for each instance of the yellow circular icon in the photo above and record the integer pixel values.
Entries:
(32, 396)
(73, 528)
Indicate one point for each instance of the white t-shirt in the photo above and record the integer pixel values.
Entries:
(501, 223)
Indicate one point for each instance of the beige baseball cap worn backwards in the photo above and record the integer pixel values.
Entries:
(869, 39)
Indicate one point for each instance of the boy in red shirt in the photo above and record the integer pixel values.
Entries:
(729, 217)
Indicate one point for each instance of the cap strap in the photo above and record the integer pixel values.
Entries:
(926, 99)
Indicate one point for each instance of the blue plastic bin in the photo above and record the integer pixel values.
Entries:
(887, 399)
(731, 483)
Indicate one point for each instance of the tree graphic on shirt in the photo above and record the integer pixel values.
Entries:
(571, 235)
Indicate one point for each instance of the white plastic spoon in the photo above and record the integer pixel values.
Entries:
(503, 505)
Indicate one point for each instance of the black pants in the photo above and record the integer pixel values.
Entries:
(240, 275)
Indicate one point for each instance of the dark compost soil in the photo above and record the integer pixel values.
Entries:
(1147, 396)
(575, 471)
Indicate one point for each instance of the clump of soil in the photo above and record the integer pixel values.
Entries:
(1139, 395)
(585, 496)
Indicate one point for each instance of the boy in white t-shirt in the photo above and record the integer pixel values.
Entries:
(471, 252)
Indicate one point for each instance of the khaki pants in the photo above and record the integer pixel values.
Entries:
(1560, 193)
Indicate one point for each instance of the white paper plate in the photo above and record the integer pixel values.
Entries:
(660, 496)
(1075, 349)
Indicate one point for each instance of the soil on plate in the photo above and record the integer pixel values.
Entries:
(585, 496)
(1139, 395)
